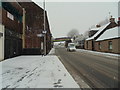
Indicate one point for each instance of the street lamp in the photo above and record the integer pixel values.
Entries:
(44, 31)
(43, 34)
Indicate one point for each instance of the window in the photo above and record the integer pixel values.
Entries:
(42, 46)
(10, 16)
(87, 44)
(110, 45)
(99, 46)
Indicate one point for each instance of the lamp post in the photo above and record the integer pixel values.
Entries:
(44, 31)
(43, 34)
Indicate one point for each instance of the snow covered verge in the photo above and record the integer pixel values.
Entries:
(35, 72)
(109, 55)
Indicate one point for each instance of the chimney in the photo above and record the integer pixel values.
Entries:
(118, 21)
(112, 19)
(97, 25)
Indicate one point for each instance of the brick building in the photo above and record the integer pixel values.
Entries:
(89, 42)
(109, 41)
(11, 19)
(106, 39)
(20, 22)
(34, 21)
(93, 31)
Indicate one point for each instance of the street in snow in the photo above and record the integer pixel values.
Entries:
(35, 72)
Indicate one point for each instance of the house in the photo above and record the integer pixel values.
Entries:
(93, 31)
(34, 25)
(90, 42)
(109, 41)
(12, 28)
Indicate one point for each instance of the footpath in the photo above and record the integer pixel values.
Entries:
(35, 72)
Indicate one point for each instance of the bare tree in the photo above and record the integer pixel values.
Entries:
(86, 34)
(73, 33)
(80, 37)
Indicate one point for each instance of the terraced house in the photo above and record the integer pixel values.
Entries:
(106, 39)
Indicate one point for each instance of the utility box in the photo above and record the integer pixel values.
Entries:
(1, 42)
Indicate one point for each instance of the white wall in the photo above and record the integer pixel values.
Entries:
(1, 43)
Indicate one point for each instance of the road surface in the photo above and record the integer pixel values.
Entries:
(96, 71)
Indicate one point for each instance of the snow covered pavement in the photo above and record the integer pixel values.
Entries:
(109, 55)
(35, 72)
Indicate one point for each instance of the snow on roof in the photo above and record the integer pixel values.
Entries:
(110, 34)
(95, 29)
(100, 30)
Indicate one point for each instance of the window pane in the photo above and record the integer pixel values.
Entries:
(110, 45)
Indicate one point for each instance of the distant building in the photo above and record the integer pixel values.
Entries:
(12, 27)
(80, 44)
(34, 25)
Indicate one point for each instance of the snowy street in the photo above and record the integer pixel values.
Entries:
(97, 69)
(35, 72)
(103, 54)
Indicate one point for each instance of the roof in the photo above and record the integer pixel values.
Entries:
(110, 34)
(95, 29)
(100, 30)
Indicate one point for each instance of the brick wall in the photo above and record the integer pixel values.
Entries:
(105, 45)
(34, 25)
(14, 25)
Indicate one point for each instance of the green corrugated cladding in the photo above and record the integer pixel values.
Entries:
(7, 6)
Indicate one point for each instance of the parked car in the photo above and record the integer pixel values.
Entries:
(71, 47)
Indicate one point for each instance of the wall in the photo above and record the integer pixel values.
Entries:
(89, 43)
(104, 46)
(12, 21)
(34, 19)
(14, 25)
(1, 43)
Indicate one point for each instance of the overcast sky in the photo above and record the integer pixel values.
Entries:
(65, 16)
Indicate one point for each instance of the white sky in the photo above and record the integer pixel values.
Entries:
(64, 16)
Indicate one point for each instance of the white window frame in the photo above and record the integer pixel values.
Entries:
(110, 45)
(100, 47)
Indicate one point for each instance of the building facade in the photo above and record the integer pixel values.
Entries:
(20, 23)
(106, 39)
(34, 25)
(11, 19)
(109, 41)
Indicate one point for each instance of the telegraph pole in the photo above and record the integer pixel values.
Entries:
(44, 29)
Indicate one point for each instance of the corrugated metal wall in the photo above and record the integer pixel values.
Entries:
(13, 44)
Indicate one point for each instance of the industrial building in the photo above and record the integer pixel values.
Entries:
(20, 24)
(12, 26)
